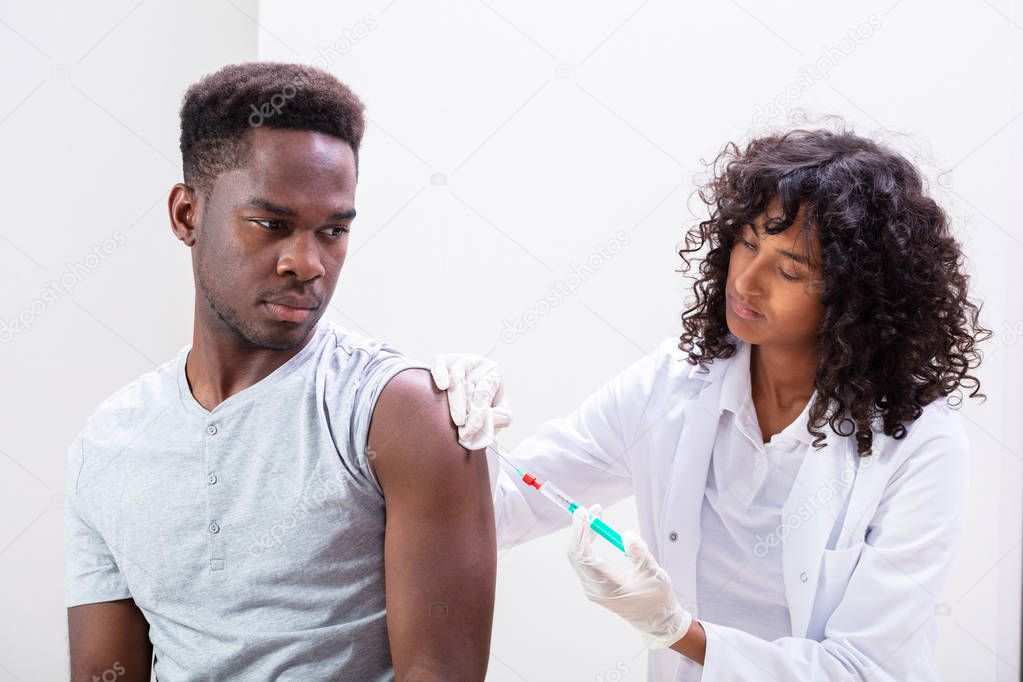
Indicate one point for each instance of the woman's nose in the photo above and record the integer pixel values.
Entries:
(747, 281)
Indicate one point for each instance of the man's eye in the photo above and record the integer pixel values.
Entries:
(270, 225)
(338, 231)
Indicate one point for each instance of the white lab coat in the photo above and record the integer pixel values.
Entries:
(867, 542)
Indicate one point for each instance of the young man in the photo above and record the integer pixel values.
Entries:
(263, 506)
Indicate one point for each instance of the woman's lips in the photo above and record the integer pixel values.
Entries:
(285, 313)
(743, 312)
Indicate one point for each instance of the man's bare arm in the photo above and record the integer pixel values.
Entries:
(440, 547)
(109, 636)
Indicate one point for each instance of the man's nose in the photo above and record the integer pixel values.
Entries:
(301, 257)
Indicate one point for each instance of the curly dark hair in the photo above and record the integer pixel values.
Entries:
(219, 109)
(898, 330)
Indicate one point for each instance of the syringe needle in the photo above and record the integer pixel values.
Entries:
(560, 498)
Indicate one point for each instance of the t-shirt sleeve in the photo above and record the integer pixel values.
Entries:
(355, 377)
(377, 371)
(91, 574)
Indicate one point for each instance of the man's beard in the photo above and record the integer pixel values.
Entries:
(241, 327)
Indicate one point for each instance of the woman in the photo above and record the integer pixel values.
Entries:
(800, 476)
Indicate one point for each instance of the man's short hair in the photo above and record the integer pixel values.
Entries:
(219, 109)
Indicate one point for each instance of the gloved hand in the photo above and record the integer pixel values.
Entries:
(642, 595)
(475, 397)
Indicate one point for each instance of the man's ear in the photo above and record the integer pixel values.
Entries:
(183, 205)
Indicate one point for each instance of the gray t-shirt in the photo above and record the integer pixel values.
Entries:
(251, 536)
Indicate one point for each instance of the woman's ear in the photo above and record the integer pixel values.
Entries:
(183, 206)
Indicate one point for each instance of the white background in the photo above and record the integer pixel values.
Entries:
(506, 141)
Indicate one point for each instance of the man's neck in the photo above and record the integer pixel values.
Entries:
(221, 363)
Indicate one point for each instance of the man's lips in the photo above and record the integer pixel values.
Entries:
(289, 313)
(297, 301)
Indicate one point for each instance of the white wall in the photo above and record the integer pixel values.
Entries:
(507, 142)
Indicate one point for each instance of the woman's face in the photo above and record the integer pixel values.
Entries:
(773, 293)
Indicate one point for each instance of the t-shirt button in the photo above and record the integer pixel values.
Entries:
(214, 528)
(673, 536)
(211, 429)
(211, 479)
(803, 577)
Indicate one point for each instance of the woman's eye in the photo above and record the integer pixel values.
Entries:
(787, 276)
(751, 246)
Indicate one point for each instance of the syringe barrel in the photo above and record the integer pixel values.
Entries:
(608, 533)
(557, 496)
(561, 498)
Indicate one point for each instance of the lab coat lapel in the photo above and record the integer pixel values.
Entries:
(679, 521)
(815, 504)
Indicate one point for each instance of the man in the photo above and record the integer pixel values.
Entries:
(269, 503)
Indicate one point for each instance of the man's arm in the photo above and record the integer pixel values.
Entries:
(109, 636)
(440, 548)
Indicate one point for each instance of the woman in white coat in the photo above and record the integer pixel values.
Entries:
(799, 475)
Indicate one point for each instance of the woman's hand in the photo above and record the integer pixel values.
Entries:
(475, 397)
(642, 595)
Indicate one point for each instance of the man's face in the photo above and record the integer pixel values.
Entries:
(787, 311)
(273, 235)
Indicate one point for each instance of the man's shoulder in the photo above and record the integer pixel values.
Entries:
(119, 418)
(412, 428)
(412, 388)
(357, 371)
(411, 405)
(352, 356)
(345, 345)
(146, 393)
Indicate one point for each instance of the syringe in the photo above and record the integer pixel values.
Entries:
(561, 498)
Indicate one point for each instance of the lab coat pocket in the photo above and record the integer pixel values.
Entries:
(837, 566)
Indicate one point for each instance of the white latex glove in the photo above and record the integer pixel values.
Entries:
(642, 595)
(475, 397)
